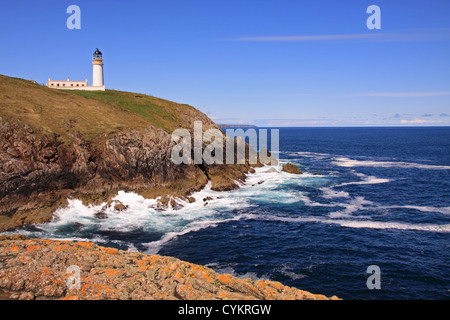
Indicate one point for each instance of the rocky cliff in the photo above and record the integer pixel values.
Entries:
(56, 145)
(59, 144)
(46, 269)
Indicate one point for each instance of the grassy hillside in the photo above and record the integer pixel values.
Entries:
(95, 114)
(160, 113)
(56, 144)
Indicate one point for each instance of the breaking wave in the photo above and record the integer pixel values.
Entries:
(350, 163)
(277, 224)
(360, 224)
(103, 225)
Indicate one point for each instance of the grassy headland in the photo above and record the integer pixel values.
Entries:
(56, 144)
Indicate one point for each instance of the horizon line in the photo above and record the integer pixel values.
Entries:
(344, 126)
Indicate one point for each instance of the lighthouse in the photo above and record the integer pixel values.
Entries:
(97, 70)
(98, 83)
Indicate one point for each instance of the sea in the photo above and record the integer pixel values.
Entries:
(369, 218)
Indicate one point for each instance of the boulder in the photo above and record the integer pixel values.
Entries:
(291, 168)
(191, 199)
(119, 206)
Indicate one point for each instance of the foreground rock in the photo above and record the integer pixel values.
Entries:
(291, 168)
(38, 269)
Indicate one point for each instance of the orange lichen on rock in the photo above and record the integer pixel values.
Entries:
(113, 272)
(110, 250)
(46, 270)
(153, 258)
(38, 269)
(85, 244)
(199, 271)
(14, 248)
(224, 278)
(32, 248)
(143, 265)
(61, 247)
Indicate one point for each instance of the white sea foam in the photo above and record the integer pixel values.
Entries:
(343, 161)
(329, 193)
(350, 206)
(85, 222)
(349, 163)
(154, 246)
(308, 202)
(365, 180)
(359, 203)
(228, 269)
(261, 187)
(390, 225)
(356, 204)
(270, 187)
(287, 271)
(369, 224)
(143, 214)
(308, 154)
(442, 210)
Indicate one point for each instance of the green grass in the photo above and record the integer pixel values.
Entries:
(159, 113)
(94, 114)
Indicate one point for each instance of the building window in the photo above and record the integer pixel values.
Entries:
(57, 84)
(71, 84)
(78, 85)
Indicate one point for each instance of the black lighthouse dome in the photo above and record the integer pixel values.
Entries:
(97, 54)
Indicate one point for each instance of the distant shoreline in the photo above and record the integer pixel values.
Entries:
(237, 126)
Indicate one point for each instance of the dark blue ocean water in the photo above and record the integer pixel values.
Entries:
(368, 196)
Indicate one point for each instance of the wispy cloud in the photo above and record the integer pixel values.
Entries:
(413, 35)
(403, 94)
(351, 121)
(420, 121)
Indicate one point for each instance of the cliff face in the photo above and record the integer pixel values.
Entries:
(89, 145)
(41, 269)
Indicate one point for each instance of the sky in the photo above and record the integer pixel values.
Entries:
(268, 63)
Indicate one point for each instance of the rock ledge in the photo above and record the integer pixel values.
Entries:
(38, 269)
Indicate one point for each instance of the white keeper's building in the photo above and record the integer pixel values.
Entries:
(98, 82)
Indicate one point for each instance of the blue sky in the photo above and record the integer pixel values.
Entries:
(270, 63)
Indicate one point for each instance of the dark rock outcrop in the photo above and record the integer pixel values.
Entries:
(37, 172)
(291, 168)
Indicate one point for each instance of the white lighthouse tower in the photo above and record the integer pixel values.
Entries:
(98, 83)
(97, 70)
